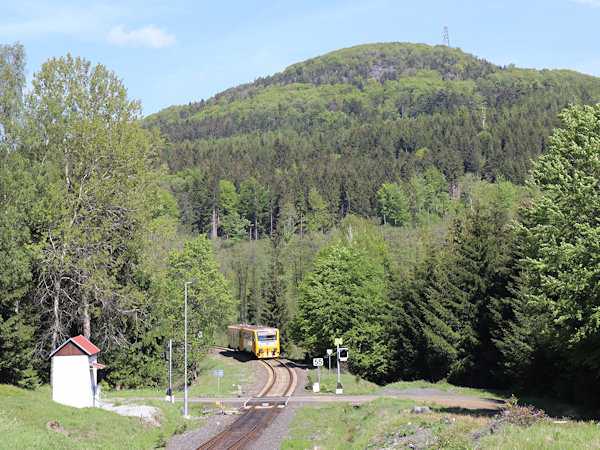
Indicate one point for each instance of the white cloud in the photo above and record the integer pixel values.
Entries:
(148, 36)
(592, 3)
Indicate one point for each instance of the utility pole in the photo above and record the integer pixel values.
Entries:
(170, 396)
(185, 396)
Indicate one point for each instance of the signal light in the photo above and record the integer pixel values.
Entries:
(343, 354)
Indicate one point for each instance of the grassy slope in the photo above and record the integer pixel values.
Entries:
(388, 423)
(376, 425)
(24, 415)
(575, 435)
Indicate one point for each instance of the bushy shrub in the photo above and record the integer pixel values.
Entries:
(525, 416)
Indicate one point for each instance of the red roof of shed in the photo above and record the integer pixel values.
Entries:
(86, 346)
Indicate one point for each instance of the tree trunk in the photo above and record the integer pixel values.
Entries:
(87, 328)
(56, 312)
(213, 233)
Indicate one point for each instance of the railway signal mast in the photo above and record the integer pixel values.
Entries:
(342, 355)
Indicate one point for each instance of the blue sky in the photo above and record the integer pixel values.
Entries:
(176, 52)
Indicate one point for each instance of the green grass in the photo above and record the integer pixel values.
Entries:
(24, 415)
(355, 385)
(572, 435)
(377, 425)
(445, 387)
(350, 383)
(234, 373)
(387, 423)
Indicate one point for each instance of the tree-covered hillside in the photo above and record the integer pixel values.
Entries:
(349, 121)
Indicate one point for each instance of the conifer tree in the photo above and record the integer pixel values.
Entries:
(478, 266)
(424, 333)
(274, 310)
(18, 318)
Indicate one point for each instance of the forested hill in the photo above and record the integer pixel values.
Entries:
(348, 121)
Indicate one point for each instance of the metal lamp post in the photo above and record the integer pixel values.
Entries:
(185, 397)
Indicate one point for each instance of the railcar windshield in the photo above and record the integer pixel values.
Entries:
(267, 337)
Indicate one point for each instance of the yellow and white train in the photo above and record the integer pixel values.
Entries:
(261, 341)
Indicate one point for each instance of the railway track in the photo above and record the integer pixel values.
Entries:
(280, 384)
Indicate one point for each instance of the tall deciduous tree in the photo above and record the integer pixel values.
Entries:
(232, 224)
(393, 204)
(345, 295)
(254, 205)
(562, 242)
(209, 300)
(85, 134)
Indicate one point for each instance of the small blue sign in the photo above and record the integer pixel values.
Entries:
(218, 373)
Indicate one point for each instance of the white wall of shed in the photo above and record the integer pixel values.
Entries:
(72, 381)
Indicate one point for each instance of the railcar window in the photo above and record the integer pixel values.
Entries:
(267, 337)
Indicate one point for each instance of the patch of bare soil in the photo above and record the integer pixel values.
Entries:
(411, 436)
(55, 426)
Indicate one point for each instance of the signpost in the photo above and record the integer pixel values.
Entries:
(338, 342)
(318, 362)
(329, 353)
(219, 374)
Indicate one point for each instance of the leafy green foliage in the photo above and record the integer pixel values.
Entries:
(393, 204)
(345, 296)
(209, 305)
(560, 234)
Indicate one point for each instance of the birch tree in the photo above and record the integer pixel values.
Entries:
(85, 135)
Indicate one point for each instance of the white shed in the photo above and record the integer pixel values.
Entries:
(73, 373)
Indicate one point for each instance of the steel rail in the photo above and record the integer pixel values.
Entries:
(254, 419)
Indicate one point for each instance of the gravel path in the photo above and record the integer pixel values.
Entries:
(277, 430)
(148, 413)
(270, 437)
